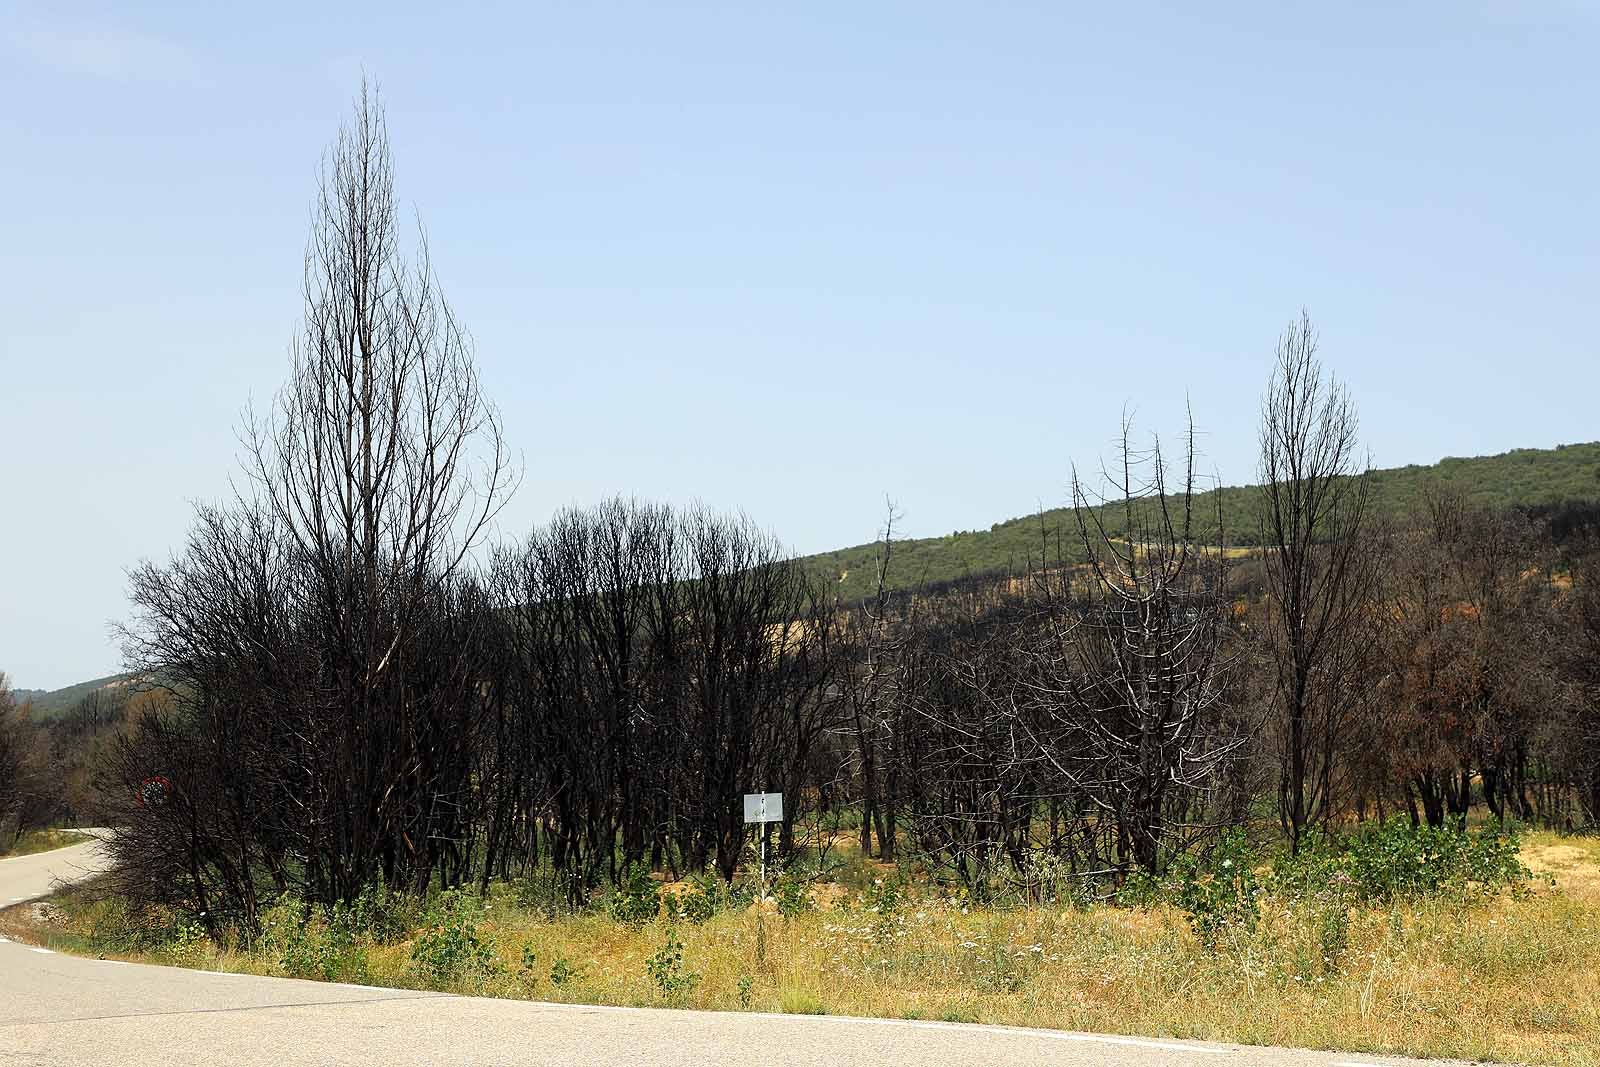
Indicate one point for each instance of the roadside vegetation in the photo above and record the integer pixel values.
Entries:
(1423, 943)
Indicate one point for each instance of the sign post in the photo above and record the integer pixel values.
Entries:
(763, 808)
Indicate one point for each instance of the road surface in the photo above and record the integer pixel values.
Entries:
(64, 1010)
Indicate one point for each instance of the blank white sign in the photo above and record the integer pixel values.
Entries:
(763, 807)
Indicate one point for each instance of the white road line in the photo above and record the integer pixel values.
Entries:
(1099, 1039)
(1044, 1035)
(44, 952)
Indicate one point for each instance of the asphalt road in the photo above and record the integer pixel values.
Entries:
(59, 1010)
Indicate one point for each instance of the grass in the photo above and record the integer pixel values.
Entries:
(44, 841)
(1512, 979)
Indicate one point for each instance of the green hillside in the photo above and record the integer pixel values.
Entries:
(1525, 477)
(60, 701)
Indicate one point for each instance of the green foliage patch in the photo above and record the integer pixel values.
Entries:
(1525, 477)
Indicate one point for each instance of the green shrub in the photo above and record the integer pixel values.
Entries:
(294, 935)
(451, 947)
(187, 945)
(637, 898)
(1398, 862)
(793, 896)
(528, 972)
(562, 972)
(739, 895)
(1141, 889)
(377, 915)
(700, 902)
(666, 970)
(884, 899)
(1218, 891)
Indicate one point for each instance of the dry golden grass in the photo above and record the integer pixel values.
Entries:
(1517, 979)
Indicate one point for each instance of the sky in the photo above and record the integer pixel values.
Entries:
(787, 259)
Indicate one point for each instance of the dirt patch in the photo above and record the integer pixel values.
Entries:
(1542, 859)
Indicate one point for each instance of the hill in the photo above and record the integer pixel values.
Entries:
(1525, 477)
(57, 702)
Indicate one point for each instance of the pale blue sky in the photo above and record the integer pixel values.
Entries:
(787, 262)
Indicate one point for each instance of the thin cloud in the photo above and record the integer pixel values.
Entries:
(106, 52)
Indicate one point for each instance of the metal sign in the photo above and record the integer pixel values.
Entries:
(152, 791)
(763, 807)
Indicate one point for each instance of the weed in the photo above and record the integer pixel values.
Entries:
(666, 970)
(1221, 892)
(451, 948)
(700, 903)
(376, 915)
(188, 945)
(800, 1002)
(563, 973)
(793, 896)
(1398, 862)
(637, 898)
(527, 972)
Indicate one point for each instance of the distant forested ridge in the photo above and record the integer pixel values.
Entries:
(53, 703)
(1532, 478)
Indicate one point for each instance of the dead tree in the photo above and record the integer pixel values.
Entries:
(1131, 693)
(870, 694)
(1313, 502)
(320, 637)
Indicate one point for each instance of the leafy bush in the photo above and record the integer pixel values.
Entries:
(793, 896)
(637, 898)
(1399, 862)
(452, 947)
(884, 898)
(527, 972)
(188, 945)
(562, 972)
(1218, 891)
(739, 895)
(376, 915)
(295, 936)
(666, 971)
(705, 897)
(885, 895)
